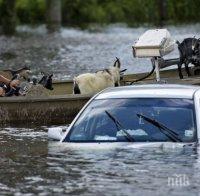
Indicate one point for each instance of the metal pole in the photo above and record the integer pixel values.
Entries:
(157, 70)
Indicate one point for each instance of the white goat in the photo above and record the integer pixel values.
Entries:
(90, 83)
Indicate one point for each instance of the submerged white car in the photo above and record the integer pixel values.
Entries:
(141, 114)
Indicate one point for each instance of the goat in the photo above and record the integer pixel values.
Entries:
(189, 53)
(23, 73)
(46, 81)
(90, 83)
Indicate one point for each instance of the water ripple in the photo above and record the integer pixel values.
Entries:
(74, 51)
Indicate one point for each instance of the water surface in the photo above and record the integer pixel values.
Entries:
(30, 164)
(74, 51)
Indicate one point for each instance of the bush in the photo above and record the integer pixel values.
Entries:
(183, 11)
(31, 11)
(133, 12)
(78, 11)
(1, 11)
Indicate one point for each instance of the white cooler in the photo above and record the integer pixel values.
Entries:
(154, 43)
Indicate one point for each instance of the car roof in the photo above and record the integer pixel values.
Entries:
(149, 91)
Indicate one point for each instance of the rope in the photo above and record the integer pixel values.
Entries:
(144, 77)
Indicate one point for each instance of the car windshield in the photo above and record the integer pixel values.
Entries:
(133, 120)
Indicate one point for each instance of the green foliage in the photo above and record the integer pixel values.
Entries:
(79, 11)
(108, 11)
(8, 17)
(132, 12)
(183, 11)
(31, 11)
(114, 11)
(1, 11)
(93, 13)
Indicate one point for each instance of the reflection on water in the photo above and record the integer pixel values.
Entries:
(74, 51)
(32, 164)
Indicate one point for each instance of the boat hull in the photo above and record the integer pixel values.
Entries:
(40, 111)
(61, 106)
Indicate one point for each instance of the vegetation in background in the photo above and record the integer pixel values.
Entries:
(183, 11)
(31, 11)
(132, 12)
(8, 16)
(53, 15)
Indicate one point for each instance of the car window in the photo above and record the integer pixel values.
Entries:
(95, 125)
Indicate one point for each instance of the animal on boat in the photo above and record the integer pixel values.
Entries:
(90, 83)
(46, 81)
(23, 73)
(189, 50)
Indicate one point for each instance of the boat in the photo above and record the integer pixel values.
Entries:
(61, 106)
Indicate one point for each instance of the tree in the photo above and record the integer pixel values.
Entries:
(162, 12)
(53, 15)
(8, 17)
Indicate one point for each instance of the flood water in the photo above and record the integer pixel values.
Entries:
(32, 165)
(74, 51)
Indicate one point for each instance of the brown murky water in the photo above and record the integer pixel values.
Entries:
(74, 51)
(32, 165)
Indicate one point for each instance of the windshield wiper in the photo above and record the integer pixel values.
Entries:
(172, 135)
(120, 126)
